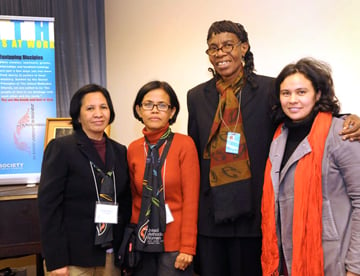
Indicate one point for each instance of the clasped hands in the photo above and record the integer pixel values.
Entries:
(183, 260)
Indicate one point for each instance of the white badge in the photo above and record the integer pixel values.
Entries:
(106, 213)
(169, 217)
(232, 142)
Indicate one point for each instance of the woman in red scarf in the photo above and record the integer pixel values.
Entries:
(311, 194)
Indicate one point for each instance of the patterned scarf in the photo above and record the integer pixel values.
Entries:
(104, 231)
(227, 119)
(307, 219)
(230, 174)
(152, 219)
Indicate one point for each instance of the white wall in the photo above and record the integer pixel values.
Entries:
(166, 40)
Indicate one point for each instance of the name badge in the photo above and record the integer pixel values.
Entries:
(169, 216)
(232, 142)
(106, 213)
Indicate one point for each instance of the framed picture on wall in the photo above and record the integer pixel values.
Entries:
(57, 127)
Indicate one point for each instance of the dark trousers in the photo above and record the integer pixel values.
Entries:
(228, 256)
(160, 264)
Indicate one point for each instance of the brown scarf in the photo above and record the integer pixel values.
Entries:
(230, 176)
(307, 218)
(227, 119)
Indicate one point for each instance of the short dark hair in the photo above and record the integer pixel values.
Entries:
(227, 26)
(76, 103)
(156, 84)
(319, 74)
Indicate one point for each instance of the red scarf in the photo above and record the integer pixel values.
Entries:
(307, 219)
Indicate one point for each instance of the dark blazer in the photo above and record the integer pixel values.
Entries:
(202, 103)
(67, 197)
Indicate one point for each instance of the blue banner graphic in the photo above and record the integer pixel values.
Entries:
(27, 95)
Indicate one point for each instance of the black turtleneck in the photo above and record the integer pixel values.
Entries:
(297, 132)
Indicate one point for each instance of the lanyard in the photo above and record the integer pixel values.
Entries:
(237, 118)
(92, 165)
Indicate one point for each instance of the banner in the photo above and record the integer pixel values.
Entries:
(27, 95)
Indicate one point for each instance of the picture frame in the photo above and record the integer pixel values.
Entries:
(57, 127)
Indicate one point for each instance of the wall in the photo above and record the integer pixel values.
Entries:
(166, 40)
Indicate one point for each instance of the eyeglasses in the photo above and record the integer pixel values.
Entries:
(159, 106)
(227, 48)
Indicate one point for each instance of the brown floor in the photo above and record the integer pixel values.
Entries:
(27, 263)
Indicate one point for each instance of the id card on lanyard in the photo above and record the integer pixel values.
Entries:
(233, 142)
(106, 212)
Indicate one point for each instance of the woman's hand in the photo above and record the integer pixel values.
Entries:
(64, 271)
(351, 128)
(183, 261)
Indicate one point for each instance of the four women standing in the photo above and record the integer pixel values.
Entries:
(85, 176)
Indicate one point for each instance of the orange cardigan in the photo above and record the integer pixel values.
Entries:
(182, 181)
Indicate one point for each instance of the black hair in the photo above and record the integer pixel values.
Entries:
(156, 85)
(239, 30)
(319, 74)
(76, 103)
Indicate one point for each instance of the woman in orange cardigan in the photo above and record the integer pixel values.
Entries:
(164, 173)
